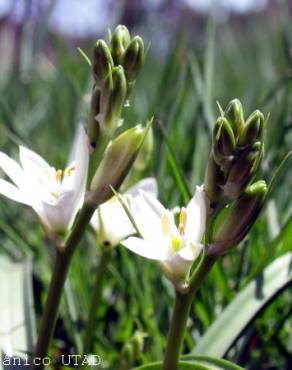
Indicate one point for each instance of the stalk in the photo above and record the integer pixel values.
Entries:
(63, 259)
(96, 297)
(181, 313)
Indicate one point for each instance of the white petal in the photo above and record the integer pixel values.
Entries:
(32, 163)
(57, 217)
(81, 161)
(115, 224)
(153, 203)
(12, 169)
(145, 249)
(149, 185)
(182, 261)
(146, 219)
(12, 192)
(196, 216)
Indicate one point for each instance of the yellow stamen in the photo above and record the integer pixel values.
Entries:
(68, 171)
(58, 175)
(165, 221)
(182, 221)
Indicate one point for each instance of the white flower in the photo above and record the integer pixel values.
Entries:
(55, 195)
(110, 220)
(175, 247)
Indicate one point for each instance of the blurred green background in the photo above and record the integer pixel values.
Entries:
(195, 59)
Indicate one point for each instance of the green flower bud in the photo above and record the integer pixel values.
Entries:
(102, 62)
(234, 114)
(115, 165)
(242, 171)
(238, 219)
(213, 180)
(145, 153)
(134, 58)
(113, 97)
(253, 129)
(119, 43)
(223, 141)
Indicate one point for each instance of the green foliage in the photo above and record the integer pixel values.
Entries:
(40, 106)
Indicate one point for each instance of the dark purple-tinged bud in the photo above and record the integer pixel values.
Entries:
(102, 62)
(113, 96)
(134, 58)
(223, 141)
(119, 42)
(213, 181)
(237, 219)
(253, 129)
(242, 171)
(93, 127)
(234, 115)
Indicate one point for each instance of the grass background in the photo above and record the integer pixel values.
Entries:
(45, 92)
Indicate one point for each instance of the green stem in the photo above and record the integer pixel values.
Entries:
(63, 259)
(181, 313)
(96, 296)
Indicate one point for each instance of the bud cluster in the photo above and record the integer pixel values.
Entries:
(236, 154)
(115, 68)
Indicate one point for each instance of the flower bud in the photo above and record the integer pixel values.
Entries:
(234, 114)
(119, 42)
(145, 153)
(115, 165)
(134, 58)
(237, 220)
(213, 180)
(253, 129)
(93, 127)
(224, 141)
(113, 97)
(102, 62)
(242, 171)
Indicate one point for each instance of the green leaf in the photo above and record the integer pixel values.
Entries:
(196, 362)
(17, 326)
(245, 307)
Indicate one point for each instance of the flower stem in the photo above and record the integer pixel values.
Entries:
(96, 296)
(63, 259)
(181, 313)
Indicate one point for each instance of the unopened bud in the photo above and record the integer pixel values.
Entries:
(102, 62)
(234, 114)
(145, 153)
(213, 181)
(238, 219)
(242, 171)
(134, 58)
(117, 162)
(113, 97)
(253, 129)
(94, 128)
(119, 43)
(224, 141)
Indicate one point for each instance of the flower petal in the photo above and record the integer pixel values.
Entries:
(12, 192)
(153, 203)
(146, 219)
(81, 159)
(12, 169)
(148, 185)
(196, 216)
(32, 163)
(145, 249)
(111, 222)
(57, 217)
